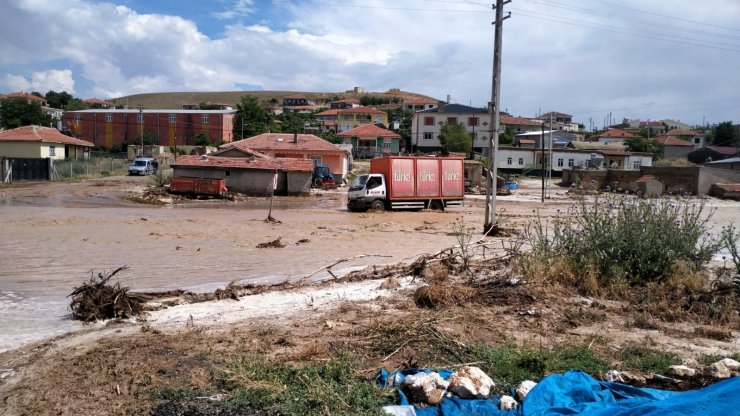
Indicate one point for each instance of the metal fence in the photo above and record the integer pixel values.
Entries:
(94, 167)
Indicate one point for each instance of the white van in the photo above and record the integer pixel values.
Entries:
(143, 166)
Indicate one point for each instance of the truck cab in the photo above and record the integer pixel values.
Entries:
(367, 191)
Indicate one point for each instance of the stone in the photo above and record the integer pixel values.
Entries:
(632, 378)
(719, 370)
(471, 383)
(425, 388)
(507, 403)
(524, 388)
(681, 371)
(731, 364)
(613, 376)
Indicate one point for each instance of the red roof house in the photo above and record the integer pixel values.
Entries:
(41, 142)
(371, 140)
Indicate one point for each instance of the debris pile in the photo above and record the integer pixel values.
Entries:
(97, 300)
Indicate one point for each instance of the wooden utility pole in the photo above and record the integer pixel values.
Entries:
(542, 161)
(141, 127)
(494, 106)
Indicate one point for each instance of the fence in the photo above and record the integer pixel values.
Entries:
(88, 168)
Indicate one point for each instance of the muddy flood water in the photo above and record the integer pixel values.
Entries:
(52, 241)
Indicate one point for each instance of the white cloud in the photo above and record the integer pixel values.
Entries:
(57, 80)
(551, 61)
(240, 8)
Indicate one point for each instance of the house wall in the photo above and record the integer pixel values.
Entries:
(710, 176)
(418, 128)
(21, 149)
(337, 163)
(248, 181)
(676, 152)
(298, 183)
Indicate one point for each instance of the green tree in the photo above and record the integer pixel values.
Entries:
(293, 122)
(641, 144)
(403, 117)
(507, 137)
(58, 99)
(251, 118)
(202, 139)
(76, 104)
(17, 112)
(455, 138)
(724, 134)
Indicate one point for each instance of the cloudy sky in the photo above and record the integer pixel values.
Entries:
(675, 59)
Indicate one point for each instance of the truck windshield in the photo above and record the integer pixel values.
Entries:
(358, 183)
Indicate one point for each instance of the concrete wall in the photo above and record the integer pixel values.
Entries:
(298, 183)
(711, 176)
(695, 180)
(676, 152)
(253, 181)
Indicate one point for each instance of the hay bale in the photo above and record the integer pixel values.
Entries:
(97, 300)
(437, 296)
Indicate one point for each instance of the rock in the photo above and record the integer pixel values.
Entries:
(471, 383)
(719, 370)
(391, 283)
(425, 388)
(632, 378)
(507, 403)
(524, 388)
(681, 371)
(731, 364)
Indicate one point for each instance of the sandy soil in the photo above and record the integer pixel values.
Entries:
(54, 235)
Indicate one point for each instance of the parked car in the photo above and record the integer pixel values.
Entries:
(143, 166)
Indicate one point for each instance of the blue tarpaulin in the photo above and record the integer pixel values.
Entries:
(577, 393)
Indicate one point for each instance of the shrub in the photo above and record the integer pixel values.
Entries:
(162, 177)
(626, 238)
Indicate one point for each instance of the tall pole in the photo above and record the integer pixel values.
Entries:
(549, 160)
(494, 105)
(542, 161)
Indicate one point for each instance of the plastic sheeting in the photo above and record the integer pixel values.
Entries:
(577, 393)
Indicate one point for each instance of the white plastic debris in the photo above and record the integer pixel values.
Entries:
(613, 376)
(471, 383)
(524, 388)
(681, 371)
(507, 403)
(400, 410)
(425, 388)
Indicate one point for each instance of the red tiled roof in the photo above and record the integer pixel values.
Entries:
(419, 100)
(97, 101)
(617, 133)
(24, 95)
(217, 162)
(368, 130)
(40, 134)
(244, 150)
(332, 112)
(728, 187)
(518, 120)
(672, 141)
(284, 142)
(362, 110)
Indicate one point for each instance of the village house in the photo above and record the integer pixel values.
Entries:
(534, 139)
(524, 160)
(296, 146)
(42, 142)
(419, 104)
(107, 128)
(612, 136)
(344, 104)
(358, 116)
(426, 126)
(690, 136)
(297, 103)
(370, 140)
(674, 148)
(252, 174)
(519, 125)
(712, 153)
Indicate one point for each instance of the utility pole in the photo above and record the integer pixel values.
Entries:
(494, 105)
(542, 161)
(549, 160)
(141, 128)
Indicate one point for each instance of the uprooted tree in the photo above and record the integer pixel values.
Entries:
(97, 299)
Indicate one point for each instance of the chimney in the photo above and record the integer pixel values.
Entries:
(295, 137)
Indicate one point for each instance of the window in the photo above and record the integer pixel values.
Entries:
(560, 163)
(109, 118)
(227, 173)
(140, 118)
(78, 117)
(451, 120)
(521, 161)
(374, 182)
(386, 145)
(316, 160)
(204, 119)
(427, 136)
(428, 121)
(52, 150)
(637, 164)
(508, 161)
(173, 118)
(571, 163)
(473, 121)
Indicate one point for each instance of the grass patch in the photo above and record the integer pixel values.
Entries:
(643, 358)
(707, 359)
(330, 388)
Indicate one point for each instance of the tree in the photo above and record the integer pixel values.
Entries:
(641, 144)
(403, 117)
(202, 139)
(507, 137)
(294, 122)
(251, 119)
(455, 138)
(58, 99)
(17, 112)
(724, 134)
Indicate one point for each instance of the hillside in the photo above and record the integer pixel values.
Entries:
(164, 100)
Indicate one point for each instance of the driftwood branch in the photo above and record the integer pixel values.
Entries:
(327, 267)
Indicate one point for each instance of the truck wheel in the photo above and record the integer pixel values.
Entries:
(436, 205)
(377, 206)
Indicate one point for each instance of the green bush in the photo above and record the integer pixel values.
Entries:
(624, 237)
(162, 177)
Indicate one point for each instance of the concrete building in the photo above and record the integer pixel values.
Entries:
(371, 140)
(426, 126)
(107, 128)
(674, 148)
(249, 175)
(359, 116)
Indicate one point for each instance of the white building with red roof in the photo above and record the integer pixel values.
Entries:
(371, 140)
(41, 142)
(297, 146)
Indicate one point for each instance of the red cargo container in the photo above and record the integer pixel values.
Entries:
(198, 186)
(414, 182)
